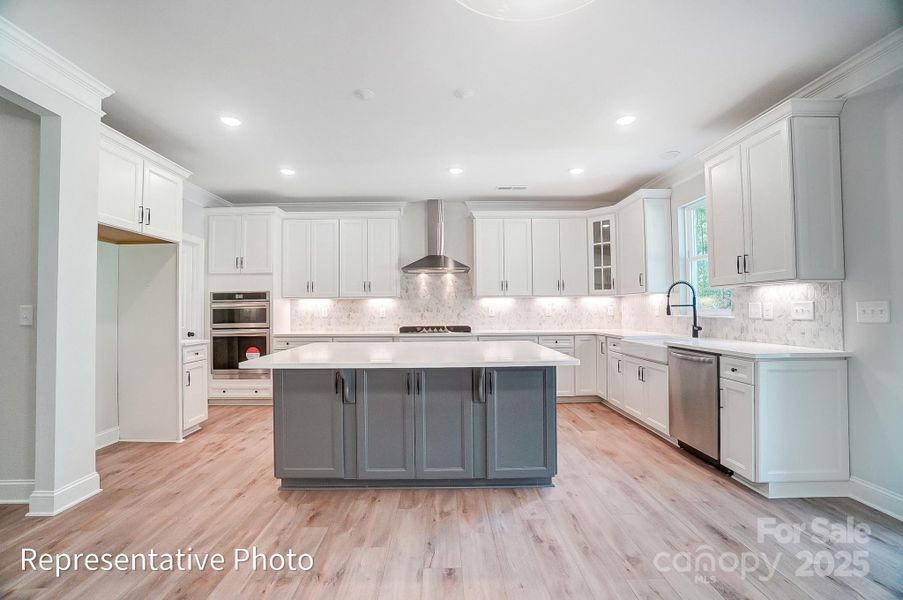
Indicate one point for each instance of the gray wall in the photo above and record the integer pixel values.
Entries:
(107, 408)
(19, 152)
(872, 154)
(193, 219)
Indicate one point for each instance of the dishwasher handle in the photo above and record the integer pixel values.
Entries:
(694, 357)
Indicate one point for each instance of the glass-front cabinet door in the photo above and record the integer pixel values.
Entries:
(602, 255)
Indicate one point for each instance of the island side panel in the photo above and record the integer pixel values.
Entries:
(520, 423)
(308, 424)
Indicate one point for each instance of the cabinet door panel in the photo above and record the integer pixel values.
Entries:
(385, 424)
(162, 203)
(655, 387)
(309, 427)
(324, 258)
(382, 257)
(601, 368)
(769, 206)
(616, 367)
(585, 351)
(444, 418)
(119, 187)
(574, 266)
(194, 394)
(256, 253)
(724, 215)
(489, 269)
(520, 423)
(602, 255)
(565, 378)
(738, 429)
(546, 257)
(517, 255)
(296, 275)
(634, 393)
(632, 248)
(353, 258)
(223, 243)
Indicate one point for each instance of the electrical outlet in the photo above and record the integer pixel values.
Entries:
(611, 311)
(755, 310)
(324, 312)
(768, 311)
(803, 310)
(491, 311)
(877, 311)
(549, 309)
(382, 311)
(26, 315)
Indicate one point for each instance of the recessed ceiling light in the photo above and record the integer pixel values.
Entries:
(287, 171)
(230, 121)
(456, 170)
(626, 120)
(463, 93)
(670, 154)
(364, 93)
(576, 171)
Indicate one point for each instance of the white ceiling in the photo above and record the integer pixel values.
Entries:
(546, 93)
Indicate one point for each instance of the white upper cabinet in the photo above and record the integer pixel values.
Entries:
(774, 197)
(368, 258)
(138, 190)
(239, 242)
(602, 255)
(724, 210)
(503, 257)
(559, 257)
(310, 258)
(644, 242)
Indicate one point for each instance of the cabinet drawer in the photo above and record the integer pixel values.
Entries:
(557, 341)
(614, 344)
(738, 370)
(227, 392)
(194, 353)
(286, 343)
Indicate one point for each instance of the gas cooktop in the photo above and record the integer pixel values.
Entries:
(434, 329)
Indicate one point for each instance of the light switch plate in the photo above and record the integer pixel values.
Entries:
(26, 315)
(549, 309)
(768, 311)
(877, 311)
(803, 310)
(755, 310)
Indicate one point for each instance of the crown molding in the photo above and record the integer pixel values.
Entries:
(858, 72)
(117, 137)
(371, 207)
(23, 52)
(198, 196)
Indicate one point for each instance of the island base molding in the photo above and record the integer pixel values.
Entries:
(359, 484)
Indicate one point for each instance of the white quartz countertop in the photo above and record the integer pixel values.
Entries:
(752, 350)
(414, 355)
(741, 349)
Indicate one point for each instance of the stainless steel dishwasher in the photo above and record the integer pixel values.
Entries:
(694, 402)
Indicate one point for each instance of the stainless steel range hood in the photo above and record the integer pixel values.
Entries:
(435, 261)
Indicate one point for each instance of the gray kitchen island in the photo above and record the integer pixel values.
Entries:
(419, 414)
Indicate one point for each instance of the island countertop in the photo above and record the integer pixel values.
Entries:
(413, 355)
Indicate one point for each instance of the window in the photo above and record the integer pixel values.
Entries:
(695, 265)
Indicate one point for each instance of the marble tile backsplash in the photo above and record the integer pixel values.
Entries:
(826, 331)
(448, 299)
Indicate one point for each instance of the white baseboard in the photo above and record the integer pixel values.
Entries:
(15, 491)
(47, 503)
(879, 498)
(106, 437)
(240, 402)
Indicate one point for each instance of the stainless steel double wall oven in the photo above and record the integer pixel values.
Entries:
(240, 328)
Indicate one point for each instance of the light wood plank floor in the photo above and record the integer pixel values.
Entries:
(622, 496)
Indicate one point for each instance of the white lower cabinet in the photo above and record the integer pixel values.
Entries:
(194, 387)
(616, 366)
(565, 377)
(585, 351)
(738, 428)
(601, 357)
(646, 392)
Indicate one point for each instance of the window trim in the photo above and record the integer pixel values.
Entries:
(686, 244)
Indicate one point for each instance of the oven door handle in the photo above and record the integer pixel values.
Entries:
(240, 332)
(247, 304)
